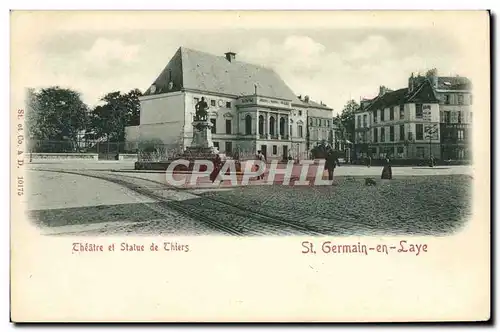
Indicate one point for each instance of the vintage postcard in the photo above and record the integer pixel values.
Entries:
(246, 166)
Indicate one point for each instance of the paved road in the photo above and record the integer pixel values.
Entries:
(68, 203)
(344, 170)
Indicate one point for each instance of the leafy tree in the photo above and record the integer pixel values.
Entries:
(55, 114)
(346, 120)
(118, 111)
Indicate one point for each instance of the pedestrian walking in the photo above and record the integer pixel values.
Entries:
(387, 170)
(217, 167)
(330, 162)
(369, 161)
(262, 158)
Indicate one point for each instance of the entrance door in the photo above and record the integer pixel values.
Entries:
(285, 152)
(263, 149)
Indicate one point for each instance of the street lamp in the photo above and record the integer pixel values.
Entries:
(430, 131)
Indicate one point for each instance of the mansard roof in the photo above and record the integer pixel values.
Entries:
(424, 93)
(195, 70)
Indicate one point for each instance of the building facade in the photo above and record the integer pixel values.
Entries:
(431, 117)
(320, 126)
(250, 107)
(402, 124)
(455, 113)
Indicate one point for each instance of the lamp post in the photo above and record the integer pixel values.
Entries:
(430, 131)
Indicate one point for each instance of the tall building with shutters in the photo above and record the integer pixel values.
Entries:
(430, 117)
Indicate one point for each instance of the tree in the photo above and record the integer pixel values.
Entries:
(346, 120)
(56, 114)
(119, 110)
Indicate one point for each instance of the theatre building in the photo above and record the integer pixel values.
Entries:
(251, 107)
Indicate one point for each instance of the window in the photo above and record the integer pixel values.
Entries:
(214, 126)
(365, 120)
(420, 131)
(271, 125)
(212, 102)
(401, 132)
(290, 133)
(300, 113)
(401, 149)
(216, 145)
(261, 125)
(282, 127)
(382, 115)
(196, 100)
(446, 116)
(375, 135)
(301, 133)
(229, 147)
(419, 114)
(248, 124)
(459, 116)
(228, 104)
(460, 134)
(401, 112)
(359, 121)
(382, 134)
(391, 113)
(391, 133)
(375, 116)
(447, 99)
(275, 149)
(460, 99)
(229, 125)
(470, 117)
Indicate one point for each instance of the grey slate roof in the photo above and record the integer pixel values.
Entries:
(423, 93)
(454, 83)
(313, 104)
(191, 69)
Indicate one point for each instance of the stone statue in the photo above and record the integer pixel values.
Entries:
(201, 110)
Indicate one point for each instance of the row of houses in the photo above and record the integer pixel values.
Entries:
(431, 117)
(251, 108)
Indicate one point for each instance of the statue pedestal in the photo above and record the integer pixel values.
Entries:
(202, 146)
(202, 134)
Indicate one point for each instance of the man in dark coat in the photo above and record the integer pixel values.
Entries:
(330, 162)
(217, 167)
(387, 171)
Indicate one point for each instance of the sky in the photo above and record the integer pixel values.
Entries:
(330, 64)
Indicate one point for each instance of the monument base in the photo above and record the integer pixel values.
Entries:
(202, 134)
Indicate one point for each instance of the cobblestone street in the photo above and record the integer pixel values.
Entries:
(90, 202)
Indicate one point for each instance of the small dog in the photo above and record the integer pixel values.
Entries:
(370, 182)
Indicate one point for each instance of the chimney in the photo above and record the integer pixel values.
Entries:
(382, 90)
(230, 56)
(432, 75)
(306, 99)
(410, 83)
(255, 88)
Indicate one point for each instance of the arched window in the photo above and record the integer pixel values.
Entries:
(271, 126)
(261, 125)
(282, 126)
(248, 124)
